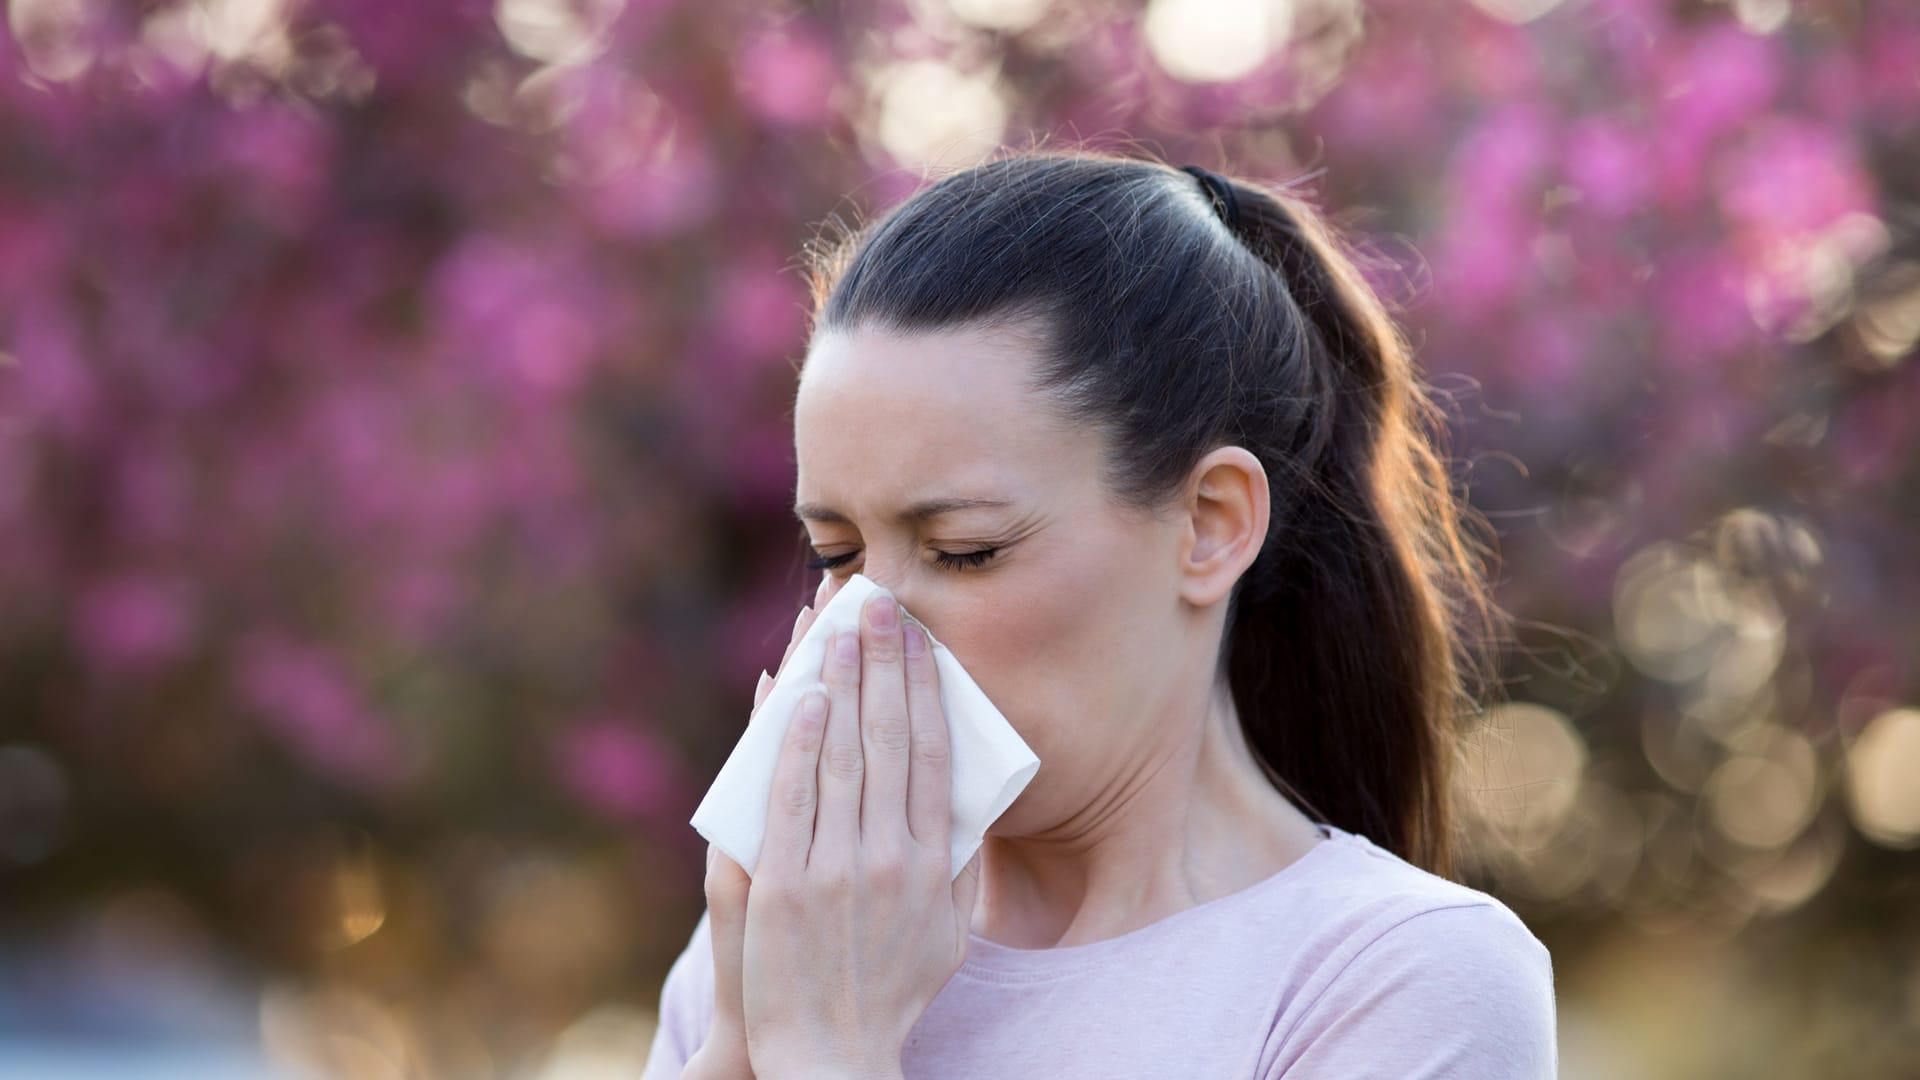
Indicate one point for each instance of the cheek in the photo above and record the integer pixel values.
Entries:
(1046, 646)
(1053, 668)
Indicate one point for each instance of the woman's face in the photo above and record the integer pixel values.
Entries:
(1081, 625)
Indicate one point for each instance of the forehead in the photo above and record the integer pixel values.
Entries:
(882, 419)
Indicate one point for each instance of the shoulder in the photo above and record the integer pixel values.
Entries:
(1477, 948)
(1379, 905)
(1416, 969)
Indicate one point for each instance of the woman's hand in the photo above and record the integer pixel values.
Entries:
(724, 1054)
(854, 924)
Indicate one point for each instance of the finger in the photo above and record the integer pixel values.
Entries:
(765, 686)
(842, 763)
(726, 888)
(884, 735)
(929, 765)
(792, 805)
(800, 624)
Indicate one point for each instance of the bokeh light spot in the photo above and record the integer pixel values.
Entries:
(932, 114)
(1883, 779)
(1008, 15)
(1214, 40)
(1522, 771)
(1516, 11)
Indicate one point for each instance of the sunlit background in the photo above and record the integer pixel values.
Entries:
(395, 470)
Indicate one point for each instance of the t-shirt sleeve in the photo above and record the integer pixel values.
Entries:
(686, 1007)
(1453, 993)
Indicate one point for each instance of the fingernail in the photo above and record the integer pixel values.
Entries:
(883, 612)
(916, 641)
(764, 680)
(802, 615)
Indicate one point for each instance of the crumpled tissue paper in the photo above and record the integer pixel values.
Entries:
(991, 763)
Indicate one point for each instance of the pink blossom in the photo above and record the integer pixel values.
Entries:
(759, 308)
(278, 160)
(1716, 78)
(1386, 99)
(618, 768)
(1789, 176)
(1700, 300)
(135, 620)
(1479, 263)
(307, 700)
(1547, 358)
(1502, 161)
(1891, 72)
(663, 180)
(787, 75)
(1607, 162)
(50, 374)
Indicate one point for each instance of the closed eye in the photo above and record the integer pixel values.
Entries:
(964, 560)
(946, 560)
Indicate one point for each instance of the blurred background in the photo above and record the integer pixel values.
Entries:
(395, 472)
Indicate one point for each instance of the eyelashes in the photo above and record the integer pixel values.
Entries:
(946, 560)
(964, 560)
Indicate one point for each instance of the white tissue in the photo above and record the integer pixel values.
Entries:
(991, 763)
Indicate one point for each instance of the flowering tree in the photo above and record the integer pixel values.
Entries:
(393, 439)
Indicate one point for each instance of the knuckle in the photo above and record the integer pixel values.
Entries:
(931, 751)
(890, 736)
(833, 878)
(806, 743)
(888, 877)
(846, 761)
(796, 797)
(789, 893)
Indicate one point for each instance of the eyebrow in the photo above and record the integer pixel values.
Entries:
(920, 511)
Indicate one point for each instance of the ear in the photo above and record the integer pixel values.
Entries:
(1226, 512)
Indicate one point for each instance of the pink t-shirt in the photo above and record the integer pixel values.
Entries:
(1349, 962)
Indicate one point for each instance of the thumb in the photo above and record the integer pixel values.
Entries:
(727, 916)
(726, 885)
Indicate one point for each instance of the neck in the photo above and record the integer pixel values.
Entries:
(1194, 821)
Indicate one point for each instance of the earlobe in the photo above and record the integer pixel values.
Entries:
(1227, 513)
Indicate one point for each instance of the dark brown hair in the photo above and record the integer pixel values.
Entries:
(1355, 643)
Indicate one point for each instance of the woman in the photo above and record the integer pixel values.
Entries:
(1198, 545)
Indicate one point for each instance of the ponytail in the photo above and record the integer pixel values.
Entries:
(1356, 646)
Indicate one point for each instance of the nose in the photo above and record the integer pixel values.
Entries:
(888, 582)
